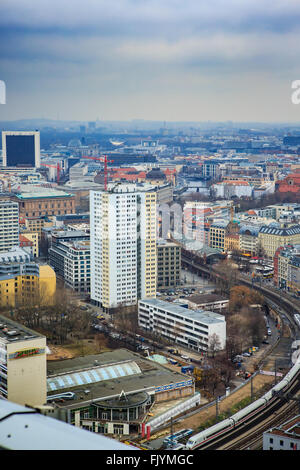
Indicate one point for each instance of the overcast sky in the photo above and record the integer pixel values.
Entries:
(169, 60)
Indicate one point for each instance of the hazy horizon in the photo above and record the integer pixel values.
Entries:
(167, 60)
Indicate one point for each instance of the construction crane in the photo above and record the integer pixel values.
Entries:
(57, 166)
(105, 160)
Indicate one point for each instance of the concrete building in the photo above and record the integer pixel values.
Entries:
(249, 239)
(112, 393)
(71, 262)
(123, 245)
(188, 328)
(21, 148)
(22, 365)
(22, 280)
(9, 225)
(211, 302)
(271, 238)
(284, 437)
(168, 264)
(45, 203)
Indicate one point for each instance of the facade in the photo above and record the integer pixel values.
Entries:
(232, 242)
(9, 225)
(168, 264)
(210, 302)
(287, 268)
(71, 261)
(249, 239)
(271, 238)
(224, 235)
(35, 224)
(284, 437)
(187, 328)
(227, 189)
(217, 233)
(45, 203)
(22, 365)
(22, 280)
(33, 237)
(123, 245)
(21, 149)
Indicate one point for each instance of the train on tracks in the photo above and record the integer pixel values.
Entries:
(214, 432)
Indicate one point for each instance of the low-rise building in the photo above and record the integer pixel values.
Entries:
(112, 393)
(211, 302)
(187, 328)
(284, 437)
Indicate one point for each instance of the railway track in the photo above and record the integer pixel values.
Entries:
(249, 434)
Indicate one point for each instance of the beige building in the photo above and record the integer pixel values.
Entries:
(34, 238)
(123, 245)
(23, 377)
(271, 238)
(45, 203)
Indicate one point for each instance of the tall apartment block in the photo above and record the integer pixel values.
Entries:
(123, 245)
(9, 225)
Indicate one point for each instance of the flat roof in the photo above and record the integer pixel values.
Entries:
(203, 316)
(206, 298)
(145, 375)
(43, 194)
(23, 333)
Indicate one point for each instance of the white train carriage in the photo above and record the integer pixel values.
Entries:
(243, 415)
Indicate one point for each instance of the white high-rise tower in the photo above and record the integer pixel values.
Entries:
(123, 245)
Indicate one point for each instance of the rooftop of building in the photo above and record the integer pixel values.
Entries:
(107, 375)
(289, 429)
(294, 230)
(42, 194)
(206, 298)
(12, 332)
(15, 255)
(203, 316)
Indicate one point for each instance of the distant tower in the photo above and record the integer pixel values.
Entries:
(21, 149)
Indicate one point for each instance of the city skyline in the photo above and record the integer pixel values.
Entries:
(160, 61)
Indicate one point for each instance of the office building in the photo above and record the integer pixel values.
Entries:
(270, 238)
(123, 245)
(188, 328)
(21, 149)
(45, 203)
(71, 262)
(9, 225)
(23, 378)
(168, 264)
(22, 280)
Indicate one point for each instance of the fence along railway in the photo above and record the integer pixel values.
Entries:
(246, 419)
